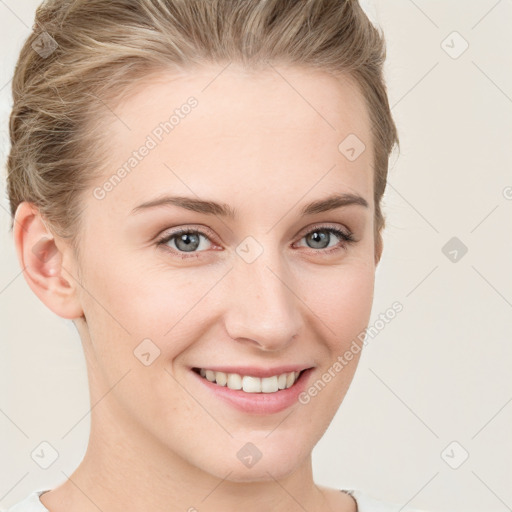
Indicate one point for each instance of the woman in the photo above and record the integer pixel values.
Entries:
(197, 186)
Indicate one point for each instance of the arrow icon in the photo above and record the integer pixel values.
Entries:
(454, 45)
(146, 352)
(44, 45)
(44, 455)
(249, 455)
(454, 249)
(351, 147)
(454, 455)
(249, 249)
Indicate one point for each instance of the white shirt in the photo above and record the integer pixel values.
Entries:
(365, 503)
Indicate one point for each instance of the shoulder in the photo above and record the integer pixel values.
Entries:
(368, 503)
(30, 503)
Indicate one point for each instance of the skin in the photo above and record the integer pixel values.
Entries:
(158, 441)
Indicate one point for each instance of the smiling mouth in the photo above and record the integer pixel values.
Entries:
(249, 383)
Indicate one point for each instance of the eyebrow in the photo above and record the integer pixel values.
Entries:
(331, 202)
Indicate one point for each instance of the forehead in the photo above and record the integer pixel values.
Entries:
(282, 129)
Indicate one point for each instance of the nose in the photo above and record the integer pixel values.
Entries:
(263, 308)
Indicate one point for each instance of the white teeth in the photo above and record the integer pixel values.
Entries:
(269, 384)
(221, 378)
(251, 384)
(234, 381)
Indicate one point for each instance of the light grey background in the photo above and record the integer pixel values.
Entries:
(439, 372)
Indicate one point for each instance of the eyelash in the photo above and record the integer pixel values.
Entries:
(346, 239)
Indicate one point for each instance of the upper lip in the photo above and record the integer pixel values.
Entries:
(255, 371)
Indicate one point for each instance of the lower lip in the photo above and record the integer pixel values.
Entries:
(258, 403)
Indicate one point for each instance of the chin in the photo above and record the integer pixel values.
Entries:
(262, 471)
(272, 460)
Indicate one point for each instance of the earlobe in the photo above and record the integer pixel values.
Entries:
(41, 257)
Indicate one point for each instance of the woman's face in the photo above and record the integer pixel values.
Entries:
(260, 282)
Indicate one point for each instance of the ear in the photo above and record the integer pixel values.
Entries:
(41, 257)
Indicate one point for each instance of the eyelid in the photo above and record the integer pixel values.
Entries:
(206, 231)
(323, 225)
(162, 239)
(187, 228)
(346, 237)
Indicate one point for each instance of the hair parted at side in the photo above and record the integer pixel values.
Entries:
(103, 49)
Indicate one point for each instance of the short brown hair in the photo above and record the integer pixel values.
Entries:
(92, 51)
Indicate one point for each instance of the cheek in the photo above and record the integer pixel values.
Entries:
(351, 297)
(134, 302)
(342, 298)
(118, 320)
